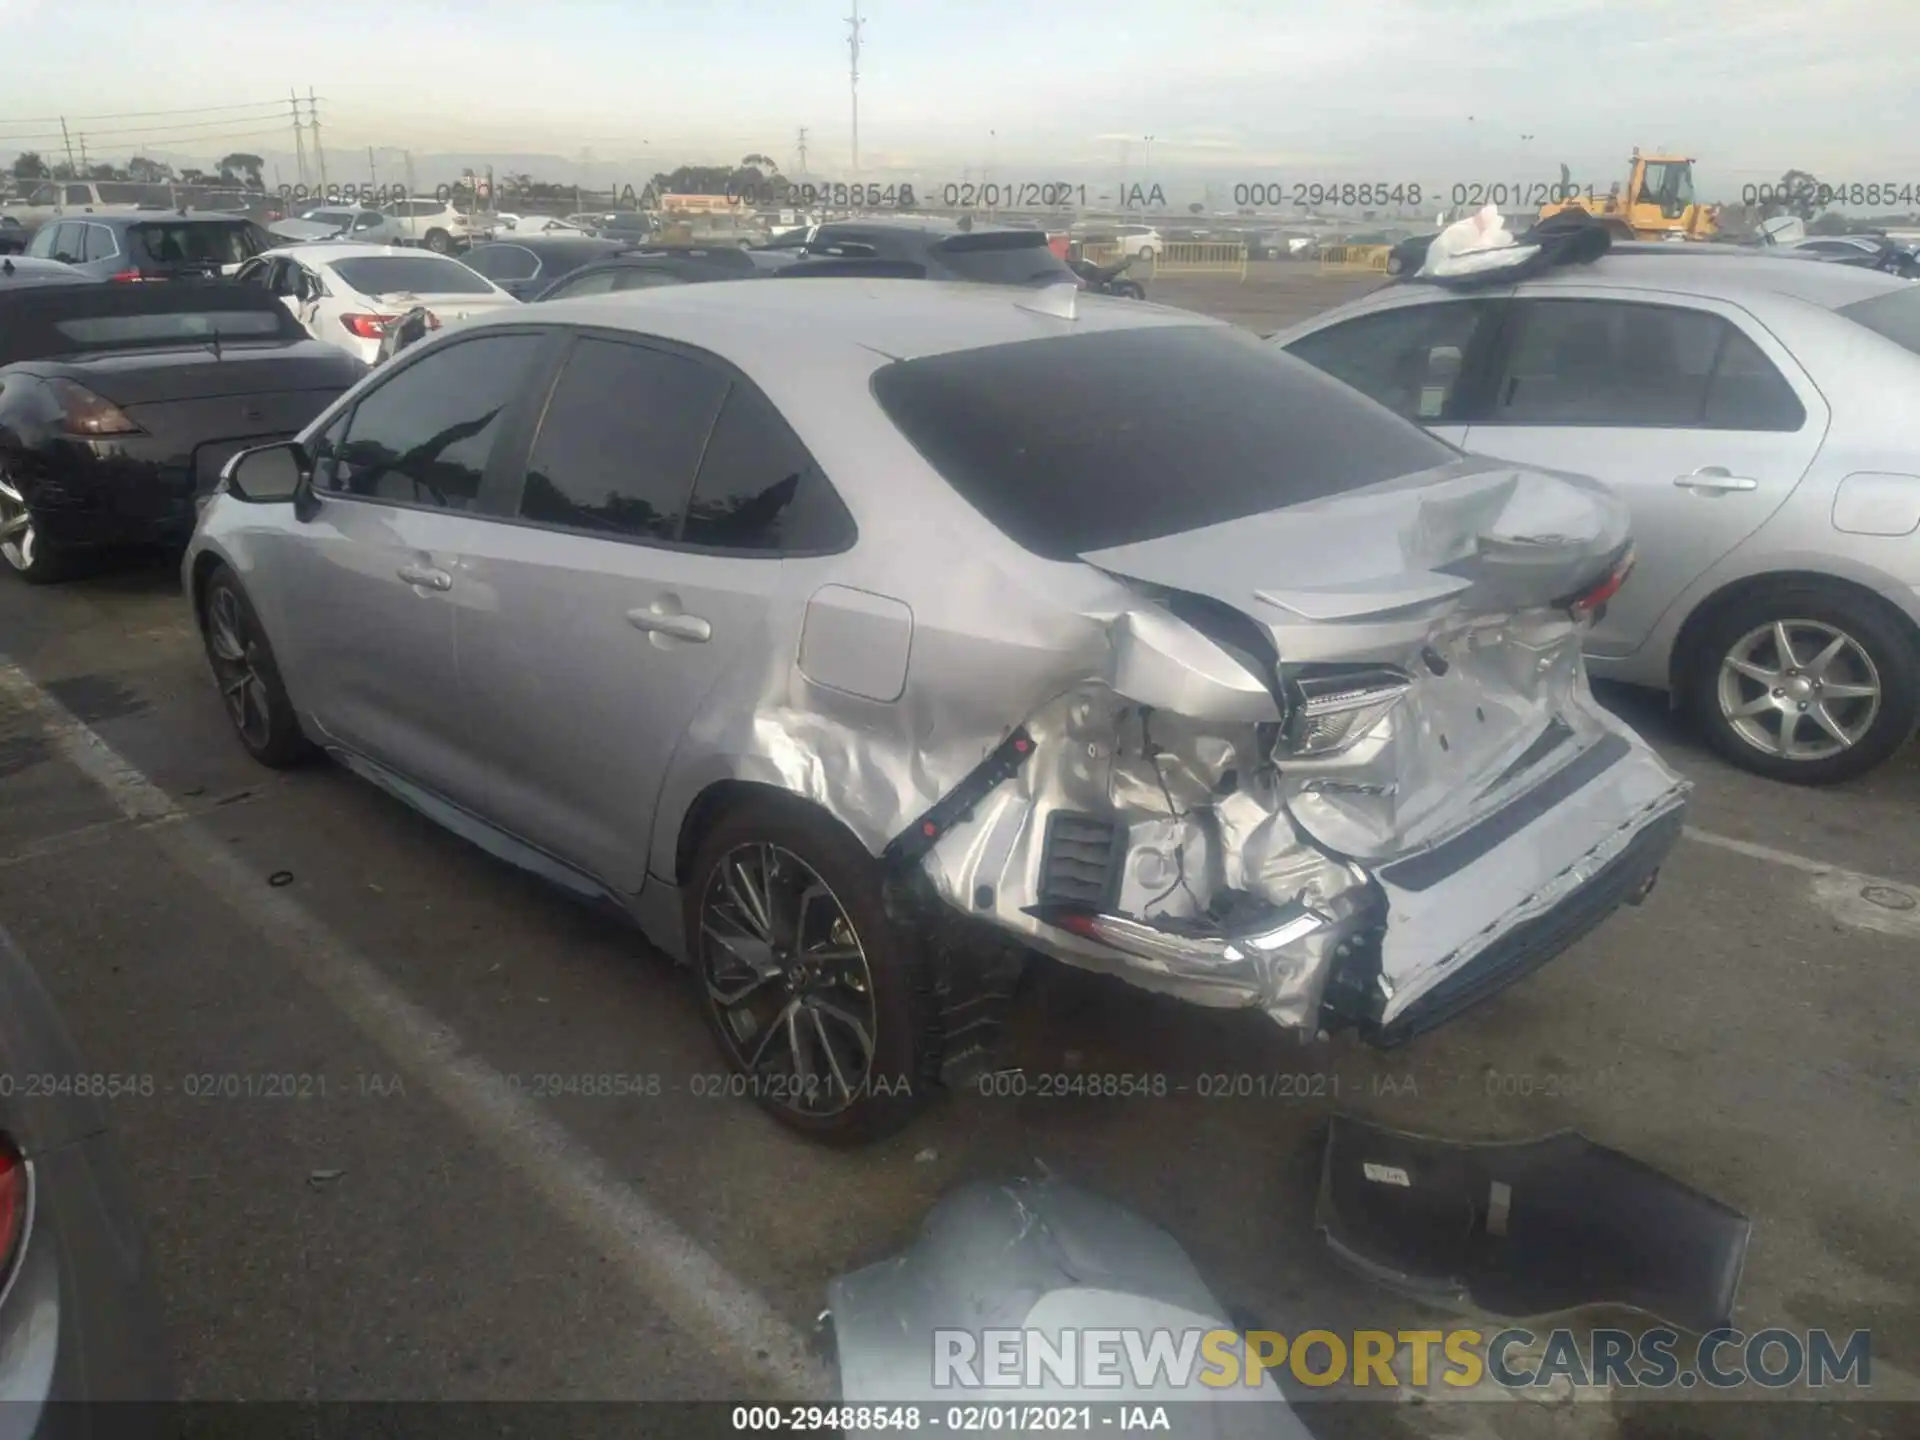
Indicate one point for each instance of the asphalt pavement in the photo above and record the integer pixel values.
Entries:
(375, 1162)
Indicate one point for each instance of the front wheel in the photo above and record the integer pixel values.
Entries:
(1807, 681)
(1144, 255)
(1130, 289)
(439, 241)
(263, 717)
(818, 1002)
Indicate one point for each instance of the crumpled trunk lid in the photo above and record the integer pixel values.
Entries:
(1453, 580)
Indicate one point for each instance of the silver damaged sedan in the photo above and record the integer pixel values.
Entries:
(861, 638)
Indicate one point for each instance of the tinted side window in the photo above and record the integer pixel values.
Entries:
(1409, 359)
(503, 262)
(1604, 362)
(98, 243)
(759, 489)
(423, 437)
(79, 195)
(621, 440)
(599, 283)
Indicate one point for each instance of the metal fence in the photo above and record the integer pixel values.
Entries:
(1355, 257)
(1201, 257)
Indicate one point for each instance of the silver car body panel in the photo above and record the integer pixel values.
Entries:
(875, 681)
(1856, 386)
(1048, 1259)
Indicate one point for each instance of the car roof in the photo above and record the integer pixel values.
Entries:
(751, 323)
(324, 252)
(556, 244)
(936, 225)
(19, 270)
(158, 217)
(1684, 268)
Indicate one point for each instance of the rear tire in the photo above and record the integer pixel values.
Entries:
(243, 665)
(1130, 290)
(1846, 657)
(821, 1005)
(1144, 255)
(22, 547)
(439, 241)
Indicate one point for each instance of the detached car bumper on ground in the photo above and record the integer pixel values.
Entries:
(961, 623)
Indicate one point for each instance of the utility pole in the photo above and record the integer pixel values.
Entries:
(85, 164)
(319, 155)
(803, 151)
(373, 173)
(854, 22)
(72, 168)
(299, 137)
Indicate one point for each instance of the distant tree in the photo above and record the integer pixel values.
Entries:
(192, 176)
(104, 172)
(1832, 222)
(148, 172)
(242, 169)
(28, 165)
(1798, 194)
(765, 163)
(62, 170)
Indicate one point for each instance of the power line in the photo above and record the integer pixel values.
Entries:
(139, 114)
(231, 120)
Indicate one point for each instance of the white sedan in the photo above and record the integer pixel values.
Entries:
(347, 294)
(540, 225)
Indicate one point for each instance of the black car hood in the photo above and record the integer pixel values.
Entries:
(143, 375)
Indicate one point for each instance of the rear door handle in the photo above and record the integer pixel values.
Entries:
(683, 627)
(1715, 478)
(425, 577)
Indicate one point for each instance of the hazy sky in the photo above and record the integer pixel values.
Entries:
(1256, 90)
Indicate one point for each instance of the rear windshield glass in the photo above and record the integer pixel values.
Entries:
(625, 222)
(1003, 259)
(1895, 315)
(99, 331)
(409, 275)
(201, 243)
(1089, 441)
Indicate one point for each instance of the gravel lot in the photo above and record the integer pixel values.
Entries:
(1751, 1029)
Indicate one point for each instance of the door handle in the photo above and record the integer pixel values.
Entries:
(1715, 478)
(425, 577)
(683, 627)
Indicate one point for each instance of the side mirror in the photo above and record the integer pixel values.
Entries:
(266, 474)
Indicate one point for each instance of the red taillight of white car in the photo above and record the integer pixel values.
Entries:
(367, 327)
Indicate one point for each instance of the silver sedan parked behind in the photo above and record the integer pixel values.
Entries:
(1759, 416)
(861, 637)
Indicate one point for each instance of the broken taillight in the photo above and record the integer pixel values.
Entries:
(1589, 603)
(1334, 709)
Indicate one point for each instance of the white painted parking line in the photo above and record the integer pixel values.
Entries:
(1866, 902)
(665, 1264)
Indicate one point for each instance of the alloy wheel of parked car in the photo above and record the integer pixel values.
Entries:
(1807, 683)
(801, 976)
(439, 242)
(20, 544)
(249, 680)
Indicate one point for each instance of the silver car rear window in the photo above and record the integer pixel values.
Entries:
(1089, 441)
(1896, 315)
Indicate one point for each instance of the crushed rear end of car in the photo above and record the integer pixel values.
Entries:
(1337, 759)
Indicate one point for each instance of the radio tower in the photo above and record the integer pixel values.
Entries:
(803, 152)
(854, 22)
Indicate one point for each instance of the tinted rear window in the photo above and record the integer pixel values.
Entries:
(196, 243)
(96, 332)
(1003, 259)
(1895, 315)
(1089, 441)
(409, 274)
